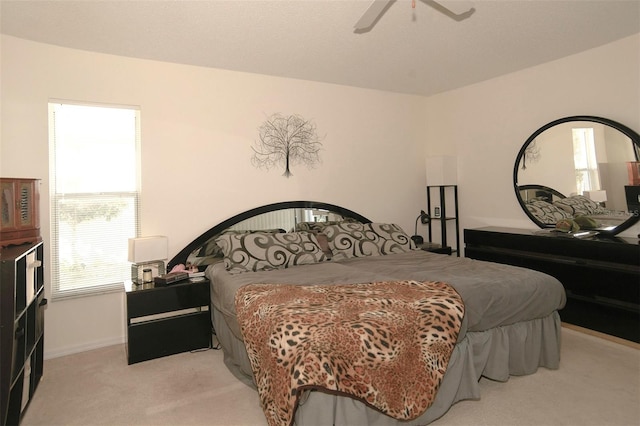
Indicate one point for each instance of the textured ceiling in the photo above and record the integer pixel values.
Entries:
(419, 51)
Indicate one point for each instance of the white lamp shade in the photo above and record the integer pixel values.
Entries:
(599, 196)
(147, 249)
(442, 170)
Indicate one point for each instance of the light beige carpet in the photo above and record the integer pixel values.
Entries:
(598, 383)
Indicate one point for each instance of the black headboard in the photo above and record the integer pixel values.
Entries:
(541, 192)
(183, 255)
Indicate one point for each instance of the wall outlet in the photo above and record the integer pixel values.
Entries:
(436, 211)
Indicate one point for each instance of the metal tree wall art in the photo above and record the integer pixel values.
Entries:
(286, 141)
(531, 154)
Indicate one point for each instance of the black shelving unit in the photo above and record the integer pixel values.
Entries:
(442, 192)
(22, 306)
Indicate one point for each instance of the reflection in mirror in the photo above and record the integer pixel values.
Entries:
(579, 166)
(285, 219)
(277, 221)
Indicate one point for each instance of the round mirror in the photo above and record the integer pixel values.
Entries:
(581, 168)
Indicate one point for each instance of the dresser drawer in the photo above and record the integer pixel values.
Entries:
(166, 299)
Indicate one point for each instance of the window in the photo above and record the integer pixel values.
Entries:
(584, 159)
(94, 196)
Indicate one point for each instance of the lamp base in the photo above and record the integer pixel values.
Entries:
(137, 271)
(417, 239)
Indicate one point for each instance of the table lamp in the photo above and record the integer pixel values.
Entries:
(147, 256)
(424, 219)
(599, 196)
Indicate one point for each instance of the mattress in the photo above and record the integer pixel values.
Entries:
(511, 324)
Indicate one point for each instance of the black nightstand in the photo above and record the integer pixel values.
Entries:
(435, 248)
(166, 320)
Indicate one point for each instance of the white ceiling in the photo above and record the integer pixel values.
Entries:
(419, 51)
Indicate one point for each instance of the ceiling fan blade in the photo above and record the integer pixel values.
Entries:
(457, 7)
(372, 14)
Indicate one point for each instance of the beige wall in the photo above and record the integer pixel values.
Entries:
(487, 123)
(198, 126)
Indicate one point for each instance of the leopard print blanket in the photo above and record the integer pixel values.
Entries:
(387, 344)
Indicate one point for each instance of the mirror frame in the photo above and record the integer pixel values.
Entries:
(183, 255)
(631, 134)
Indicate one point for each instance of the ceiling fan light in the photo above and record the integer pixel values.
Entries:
(453, 8)
(457, 7)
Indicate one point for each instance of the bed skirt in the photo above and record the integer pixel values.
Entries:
(516, 349)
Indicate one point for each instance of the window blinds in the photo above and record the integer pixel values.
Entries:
(94, 196)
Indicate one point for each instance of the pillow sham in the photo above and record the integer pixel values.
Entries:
(348, 240)
(323, 242)
(317, 228)
(261, 251)
(210, 252)
(579, 205)
(547, 213)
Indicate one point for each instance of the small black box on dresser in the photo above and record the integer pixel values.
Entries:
(632, 195)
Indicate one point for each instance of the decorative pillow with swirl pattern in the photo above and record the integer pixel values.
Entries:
(210, 252)
(579, 205)
(262, 252)
(546, 212)
(317, 227)
(348, 240)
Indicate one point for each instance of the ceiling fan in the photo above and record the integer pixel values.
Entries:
(456, 9)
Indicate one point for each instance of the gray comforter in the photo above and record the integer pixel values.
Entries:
(511, 325)
(494, 294)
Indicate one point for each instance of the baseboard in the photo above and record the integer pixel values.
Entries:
(604, 336)
(70, 350)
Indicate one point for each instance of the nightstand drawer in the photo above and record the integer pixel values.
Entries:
(175, 297)
(157, 338)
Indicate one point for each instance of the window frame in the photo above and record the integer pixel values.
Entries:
(58, 291)
(587, 178)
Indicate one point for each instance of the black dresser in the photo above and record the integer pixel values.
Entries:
(22, 305)
(601, 275)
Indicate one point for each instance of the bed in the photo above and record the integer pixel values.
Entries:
(511, 324)
(548, 206)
